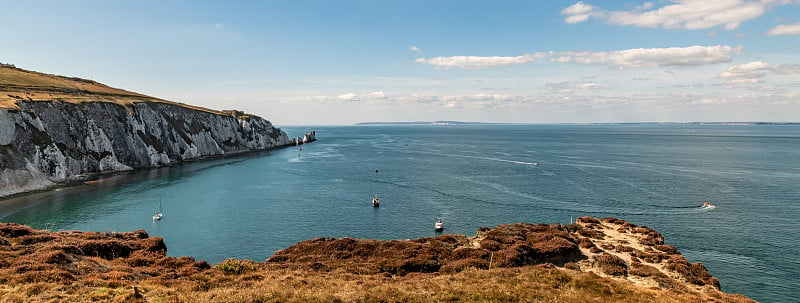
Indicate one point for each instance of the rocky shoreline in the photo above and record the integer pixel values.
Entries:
(136, 265)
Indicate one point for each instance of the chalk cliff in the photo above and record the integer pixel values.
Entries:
(55, 132)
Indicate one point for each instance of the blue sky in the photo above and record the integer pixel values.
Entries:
(343, 62)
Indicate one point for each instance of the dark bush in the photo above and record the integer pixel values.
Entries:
(594, 234)
(461, 264)
(587, 219)
(669, 249)
(623, 248)
(612, 265)
(13, 230)
(108, 250)
(639, 269)
(33, 239)
(57, 257)
(613, 220)
(490, 244)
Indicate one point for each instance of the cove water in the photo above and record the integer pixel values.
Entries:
(470, 176)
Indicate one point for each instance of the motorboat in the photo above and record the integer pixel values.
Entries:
(376, 202)
(438, 226)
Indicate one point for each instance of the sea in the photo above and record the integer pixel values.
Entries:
(656, 175)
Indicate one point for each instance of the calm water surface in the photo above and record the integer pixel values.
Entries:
(470, 176)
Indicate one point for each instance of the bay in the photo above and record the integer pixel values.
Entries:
(470, 176)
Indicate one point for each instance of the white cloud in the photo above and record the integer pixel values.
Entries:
(577, 9)
(414, 49)
(577, 12)
(570, 87)
(348, 97)
(576, 18)
(785, 29)
(320, 99)
(477, 62)
(483, 97)
(755, 71)
(638, 57)
(418, 98)
(654, 57)
(681, 14)
(377, 95)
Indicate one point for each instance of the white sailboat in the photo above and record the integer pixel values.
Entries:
(158, 215)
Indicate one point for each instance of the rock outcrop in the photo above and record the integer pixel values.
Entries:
(609, 247)
(45, 142)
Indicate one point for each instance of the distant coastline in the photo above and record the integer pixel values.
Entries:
(433, 123)
(378, 123)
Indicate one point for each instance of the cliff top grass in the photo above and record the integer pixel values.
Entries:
(18, 84)
(590, 261)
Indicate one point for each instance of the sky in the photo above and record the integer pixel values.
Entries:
(331, 62)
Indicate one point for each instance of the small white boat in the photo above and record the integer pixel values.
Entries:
(158, 215)
(376, 202)
(707, 205)
(438, 226)
(536, 163)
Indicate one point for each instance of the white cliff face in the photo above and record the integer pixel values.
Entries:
(44, 143)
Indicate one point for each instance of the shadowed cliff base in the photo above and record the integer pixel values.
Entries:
(594, 260)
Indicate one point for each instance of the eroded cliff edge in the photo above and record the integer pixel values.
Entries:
(55, 129)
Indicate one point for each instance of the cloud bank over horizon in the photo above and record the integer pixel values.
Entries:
(630, 58)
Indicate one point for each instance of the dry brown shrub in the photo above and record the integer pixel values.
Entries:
(630, 225)
(669, 249)
(694, 273)
(642, 270)
(613, 220)
(462, 264)
(623, 248)
(572, 266)
(13, 230)
(490, 244)
(651, 240)
(175, 263)
(585, 243)
(612, 265)
(587, 219)
(109, 249)
(33, 239)
(594, 234)
(469, 253)
(57, 257)
(647, 257)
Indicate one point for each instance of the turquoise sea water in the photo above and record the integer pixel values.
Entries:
(470, 176)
